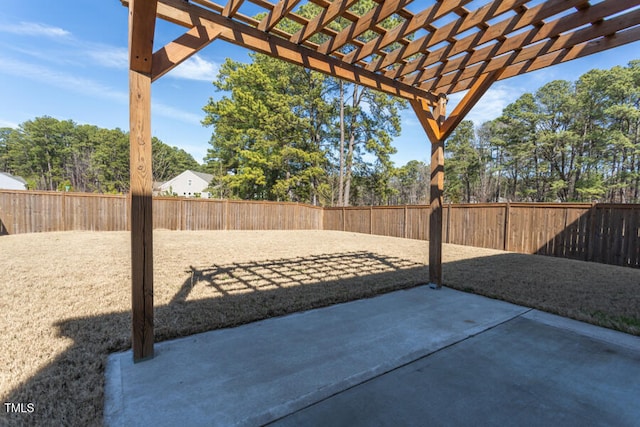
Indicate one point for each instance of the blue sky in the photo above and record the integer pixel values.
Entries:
(68, 60)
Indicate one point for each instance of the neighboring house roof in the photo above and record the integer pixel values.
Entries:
(19, 178)
(16, 182)
(206, 176)
(203, 176)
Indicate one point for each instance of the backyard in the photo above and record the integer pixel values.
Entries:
(66, 296)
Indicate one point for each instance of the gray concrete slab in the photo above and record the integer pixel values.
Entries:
(257, 373)
(535, 370)
(415, 357)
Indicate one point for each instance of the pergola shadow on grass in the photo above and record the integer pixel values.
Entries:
(434, 50)
(69, 390)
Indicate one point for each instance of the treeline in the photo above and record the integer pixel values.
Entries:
(281, 132)
(568, 141)
(53, 154)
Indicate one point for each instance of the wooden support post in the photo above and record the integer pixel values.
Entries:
(142, 17)
(438, 129)
(432, 123)
(436, 201)
(141, 216)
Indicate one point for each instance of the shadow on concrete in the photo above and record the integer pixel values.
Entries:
(70, 389)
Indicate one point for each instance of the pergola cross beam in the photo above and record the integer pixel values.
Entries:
(181, 49)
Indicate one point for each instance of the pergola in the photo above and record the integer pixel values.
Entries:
(438, 47)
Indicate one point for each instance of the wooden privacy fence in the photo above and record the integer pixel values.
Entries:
(29, 212)
(606, 233)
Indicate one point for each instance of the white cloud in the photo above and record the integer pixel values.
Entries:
(195, 68)
(34, 29)
(60, 79)
(174, 113)
(87, 87)
(409, 118)
(109, 56)
(8, 124)
(490, 105)
(68, 49)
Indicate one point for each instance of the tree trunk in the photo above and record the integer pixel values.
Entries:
(349, 165)
(352, 141)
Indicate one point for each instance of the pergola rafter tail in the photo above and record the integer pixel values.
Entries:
(446, 46)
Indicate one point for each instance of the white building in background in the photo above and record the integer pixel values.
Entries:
(10, 182)
(187, 184)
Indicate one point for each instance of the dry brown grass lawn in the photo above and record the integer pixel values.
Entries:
(66, 296)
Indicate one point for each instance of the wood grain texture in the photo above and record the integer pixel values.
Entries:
(141, 215)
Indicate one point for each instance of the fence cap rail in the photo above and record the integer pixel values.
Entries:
(62, 193)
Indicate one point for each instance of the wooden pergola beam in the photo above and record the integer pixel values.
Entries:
(319, 22)
(370, 19)
(231, 8)
(189, 15)
(543, 61)
(417, 22)
(494, 57)
(533, 16)
(277, 14)
(479, 88)
(142, 19)
(182, 48)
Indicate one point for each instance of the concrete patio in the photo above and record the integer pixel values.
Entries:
(414, 357)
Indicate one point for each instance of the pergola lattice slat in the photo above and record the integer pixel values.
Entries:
(550, 46)
(437, 48)
(532, 16)
(324, 18)
(416, 23)
(366, 22)
(277, 14)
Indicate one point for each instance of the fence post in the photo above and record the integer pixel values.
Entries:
(182, 215)
(370, 219)
(507, 226)
(447, 237)
(405, 221)
(64, 211)
(344, 225)
(226, 214)
(591, 233)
